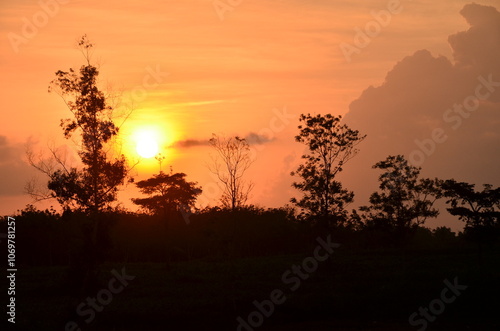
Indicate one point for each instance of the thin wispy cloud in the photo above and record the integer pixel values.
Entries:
(252, 138)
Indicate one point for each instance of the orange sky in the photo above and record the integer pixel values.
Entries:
(188, 73)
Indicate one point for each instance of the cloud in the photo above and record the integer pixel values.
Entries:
(14, 171)
(428, 107)
(5, 149)
(478, 47)
(257, 139)
(252, 138)
(188, 143)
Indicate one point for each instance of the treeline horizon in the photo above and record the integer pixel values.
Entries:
(48, 238)
(91, 229)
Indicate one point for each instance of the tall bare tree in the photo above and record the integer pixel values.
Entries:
(231, 162)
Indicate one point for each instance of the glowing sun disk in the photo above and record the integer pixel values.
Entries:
(146, 144)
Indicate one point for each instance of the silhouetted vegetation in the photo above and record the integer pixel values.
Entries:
(230, 163)
(167, 193)
(479, 210)
(51, 238)
(223, 260)
(405, 200)
(85, 194)
(330, 146)
(232, 254)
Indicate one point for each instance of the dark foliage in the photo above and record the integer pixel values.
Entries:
(330, 145)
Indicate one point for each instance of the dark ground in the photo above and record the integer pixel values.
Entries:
(350, 291)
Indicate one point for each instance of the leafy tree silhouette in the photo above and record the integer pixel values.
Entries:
(330, 146)
(480, 210)
(167, 193)
(170, 197)
(405, 200)
(86, 192)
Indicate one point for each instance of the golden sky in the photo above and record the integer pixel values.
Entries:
(191, 68)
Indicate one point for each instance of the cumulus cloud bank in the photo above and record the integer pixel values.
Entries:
(442, 114)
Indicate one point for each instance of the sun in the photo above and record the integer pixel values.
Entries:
(143, 140)
(146, 144)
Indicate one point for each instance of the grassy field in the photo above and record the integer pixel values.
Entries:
(362, 291)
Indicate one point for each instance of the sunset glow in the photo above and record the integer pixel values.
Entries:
(146, 143)
(250, 164)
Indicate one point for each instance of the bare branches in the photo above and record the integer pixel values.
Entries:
(86, 47)
(230, 165)
(47, 166)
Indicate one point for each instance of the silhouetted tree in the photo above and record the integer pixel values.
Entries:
(230, 164)
(405, 200)
(331, 145)
(170, 196)
(167, 193)
(90, 189)
(480, 210)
